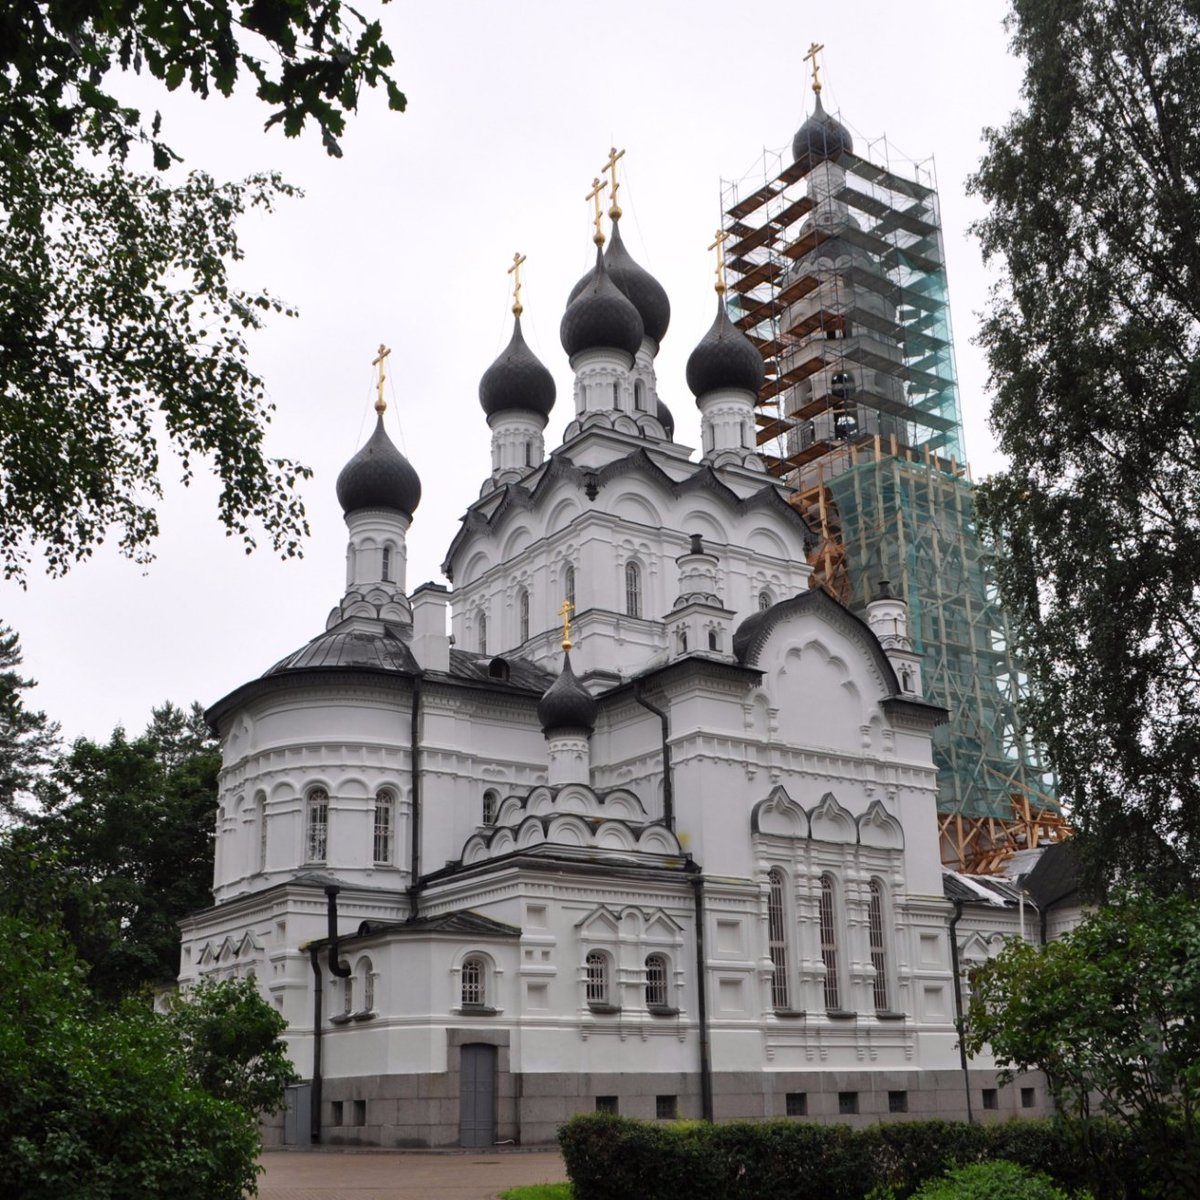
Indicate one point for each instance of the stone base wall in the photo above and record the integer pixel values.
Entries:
(422, 1111)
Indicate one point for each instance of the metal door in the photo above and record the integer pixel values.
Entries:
(477, 1095)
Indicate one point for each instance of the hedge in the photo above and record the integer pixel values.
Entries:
(615, 1158)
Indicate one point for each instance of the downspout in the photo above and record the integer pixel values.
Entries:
(668, 781)
(315, 1098)
(706, 1092)
(335, 958)
(959, 1022)
(414, 758)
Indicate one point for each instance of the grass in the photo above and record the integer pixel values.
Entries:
(539, 1191)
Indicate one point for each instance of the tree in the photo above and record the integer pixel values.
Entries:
(121, 849)
(27, 739)
(1093, 342)
(1111, 1015)
(119, 326)
(99, 1102)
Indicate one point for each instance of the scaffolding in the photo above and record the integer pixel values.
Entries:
(837, 274)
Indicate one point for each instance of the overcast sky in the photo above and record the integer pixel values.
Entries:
(407, 239)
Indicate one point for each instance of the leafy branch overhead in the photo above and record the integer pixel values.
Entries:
(120, 329)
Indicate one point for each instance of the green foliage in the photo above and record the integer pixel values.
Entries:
(997, 1180)
(99, 1103)
(612, 1158)
(231, 1041)
(1111, 1015)
(121, 849)
(1093, 341)
(27, 739)
(540, 1191)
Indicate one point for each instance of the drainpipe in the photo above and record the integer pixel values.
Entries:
(414, 759)
(335, 958)
(315, 1098)
(668, 781)
(959, 1023)
(706, 1093)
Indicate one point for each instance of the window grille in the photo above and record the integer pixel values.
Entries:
(764, 601)
(473, 981)
(878, 954)
(262, 831)
(385, 807)
(633, 590)
(569, 585)
(777, 940)
(656, 980)
(348, 994)
(596, 968)
(829, 952)
(368, 988)
(318, 824)
(491, 802)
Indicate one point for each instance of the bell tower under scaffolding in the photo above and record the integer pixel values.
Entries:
(837, 273)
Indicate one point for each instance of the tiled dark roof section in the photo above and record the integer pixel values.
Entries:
(1056, 875)
(340, 648)
(523, 675)
(463, 921)
(985, 890)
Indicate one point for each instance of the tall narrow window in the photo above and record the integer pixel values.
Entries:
(656, 980)
(318, 824)
(523, 615)
(878, 954)
(348, 994)
(262, 830)
(491, 802)
(482, 633)
(569, 584)
(639, 396)
(387, 564)
(829, 953)
(596, 970)
(385, 818)
(633, 589)
(368, 978)
(777, 939)
(529, 454)
(764, 601)
(474, 981)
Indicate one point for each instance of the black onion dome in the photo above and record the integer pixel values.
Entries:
(379, 476)
(663, 413)
(724, 358)
(566, 704)
(638, 286)
(517, 380)
(600, 316)
(821, 137)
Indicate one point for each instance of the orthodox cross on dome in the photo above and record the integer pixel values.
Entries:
(614, 209)
(377, 361)
(515, 272)
(811, 57)
(719, 246)
(594, 194)
(565, 612)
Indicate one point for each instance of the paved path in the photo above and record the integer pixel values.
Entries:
(398, 1175)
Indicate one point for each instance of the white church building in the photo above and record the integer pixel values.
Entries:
(676, 858)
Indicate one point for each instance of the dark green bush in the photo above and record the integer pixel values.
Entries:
(996, 1180)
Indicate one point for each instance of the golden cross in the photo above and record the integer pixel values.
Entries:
(567, 609)
(811, 56)
(380, 403)
(594, 194)
(515, 272)
(614, 209)
(719, 246)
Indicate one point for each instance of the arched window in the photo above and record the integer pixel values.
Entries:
(656, 981)
(474, 982)
(348, 995)
(483, 633)
(260, 803)
(387, 564)
(317, 840)
(569, 585)
(829, 950)
(777, 939)
(616, 403)
(639, 396)
(491, 802)
(681, 638)
(633, 589)
(367, 973)
(523, 615)
(385, 819)
(714, 640)
(529, 454)
(764, 601)
(878, 953)
(597, 976)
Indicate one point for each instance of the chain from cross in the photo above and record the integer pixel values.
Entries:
(811, 57)
(594, 194)
(614, 155)
(719, 246)
(565, 612)
(515, 272)
(377, 361)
